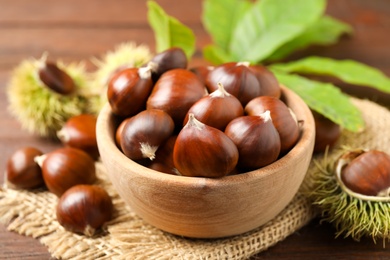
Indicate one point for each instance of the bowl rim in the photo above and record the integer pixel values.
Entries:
(106, 141)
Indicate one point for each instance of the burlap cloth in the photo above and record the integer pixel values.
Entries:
(129, 237)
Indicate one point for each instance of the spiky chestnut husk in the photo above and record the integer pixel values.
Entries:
(353, 216)
(40, 110)
(124, 55)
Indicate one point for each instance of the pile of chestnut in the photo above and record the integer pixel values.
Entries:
(203, 121)
(69, 173)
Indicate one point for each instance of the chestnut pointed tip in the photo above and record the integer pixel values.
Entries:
(89, 231)
(148, 151)
(41, 63)
(153, 66)
(243, 63)
(266, 116)
(193, 122)
(40, 159)
(63, 135)
(220, 92)
(145, 72)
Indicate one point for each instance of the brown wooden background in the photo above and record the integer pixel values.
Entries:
(75, 30)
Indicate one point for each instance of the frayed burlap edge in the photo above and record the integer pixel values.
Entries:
(128, 237)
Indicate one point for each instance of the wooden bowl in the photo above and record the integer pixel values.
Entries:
(203, 207)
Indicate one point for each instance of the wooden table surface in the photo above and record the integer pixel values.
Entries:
(73, 30)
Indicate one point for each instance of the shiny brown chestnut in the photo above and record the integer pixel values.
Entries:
(128, 91)
(201, 72)
(175, 92)
(269, 85)
(216, 109)
(327, 133)
(172, 58)
(237, 79)
(203, 151)
(56, 79)
(164, 158)
(118, 132)
(365, 172)
(257, 140)
(84, 209)
(162, 167)
(143, 133)
(80, 132)
(164, 153)
(66, 167)
(22, 170)
(282, 116)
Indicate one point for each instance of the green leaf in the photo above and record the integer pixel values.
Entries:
(216, 55)
(271, 23)
(325, 31)
(169, 32)
(219, 17)
(349, 71)
(324, 98)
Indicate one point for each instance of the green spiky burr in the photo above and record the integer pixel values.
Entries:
(125, 55)
(353, 215)
(40, 110)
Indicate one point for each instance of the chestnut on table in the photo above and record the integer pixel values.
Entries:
(67, 30)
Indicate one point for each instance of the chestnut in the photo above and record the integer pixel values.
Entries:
(66, 167)
(118, 132)
(269, 85)
(237, 79)
(128, 90)
(164, 154)
(175, 92)
(282, 116)
(143, 133)
(201, 72)
(22, 171)
(84, 209)
(164, 158)
(55, 78)
(172, 58)
(161, 167)
(80, 132)
(365, 172)
(203, 151)
(217, 109)
(327, 133)
(257, 140)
